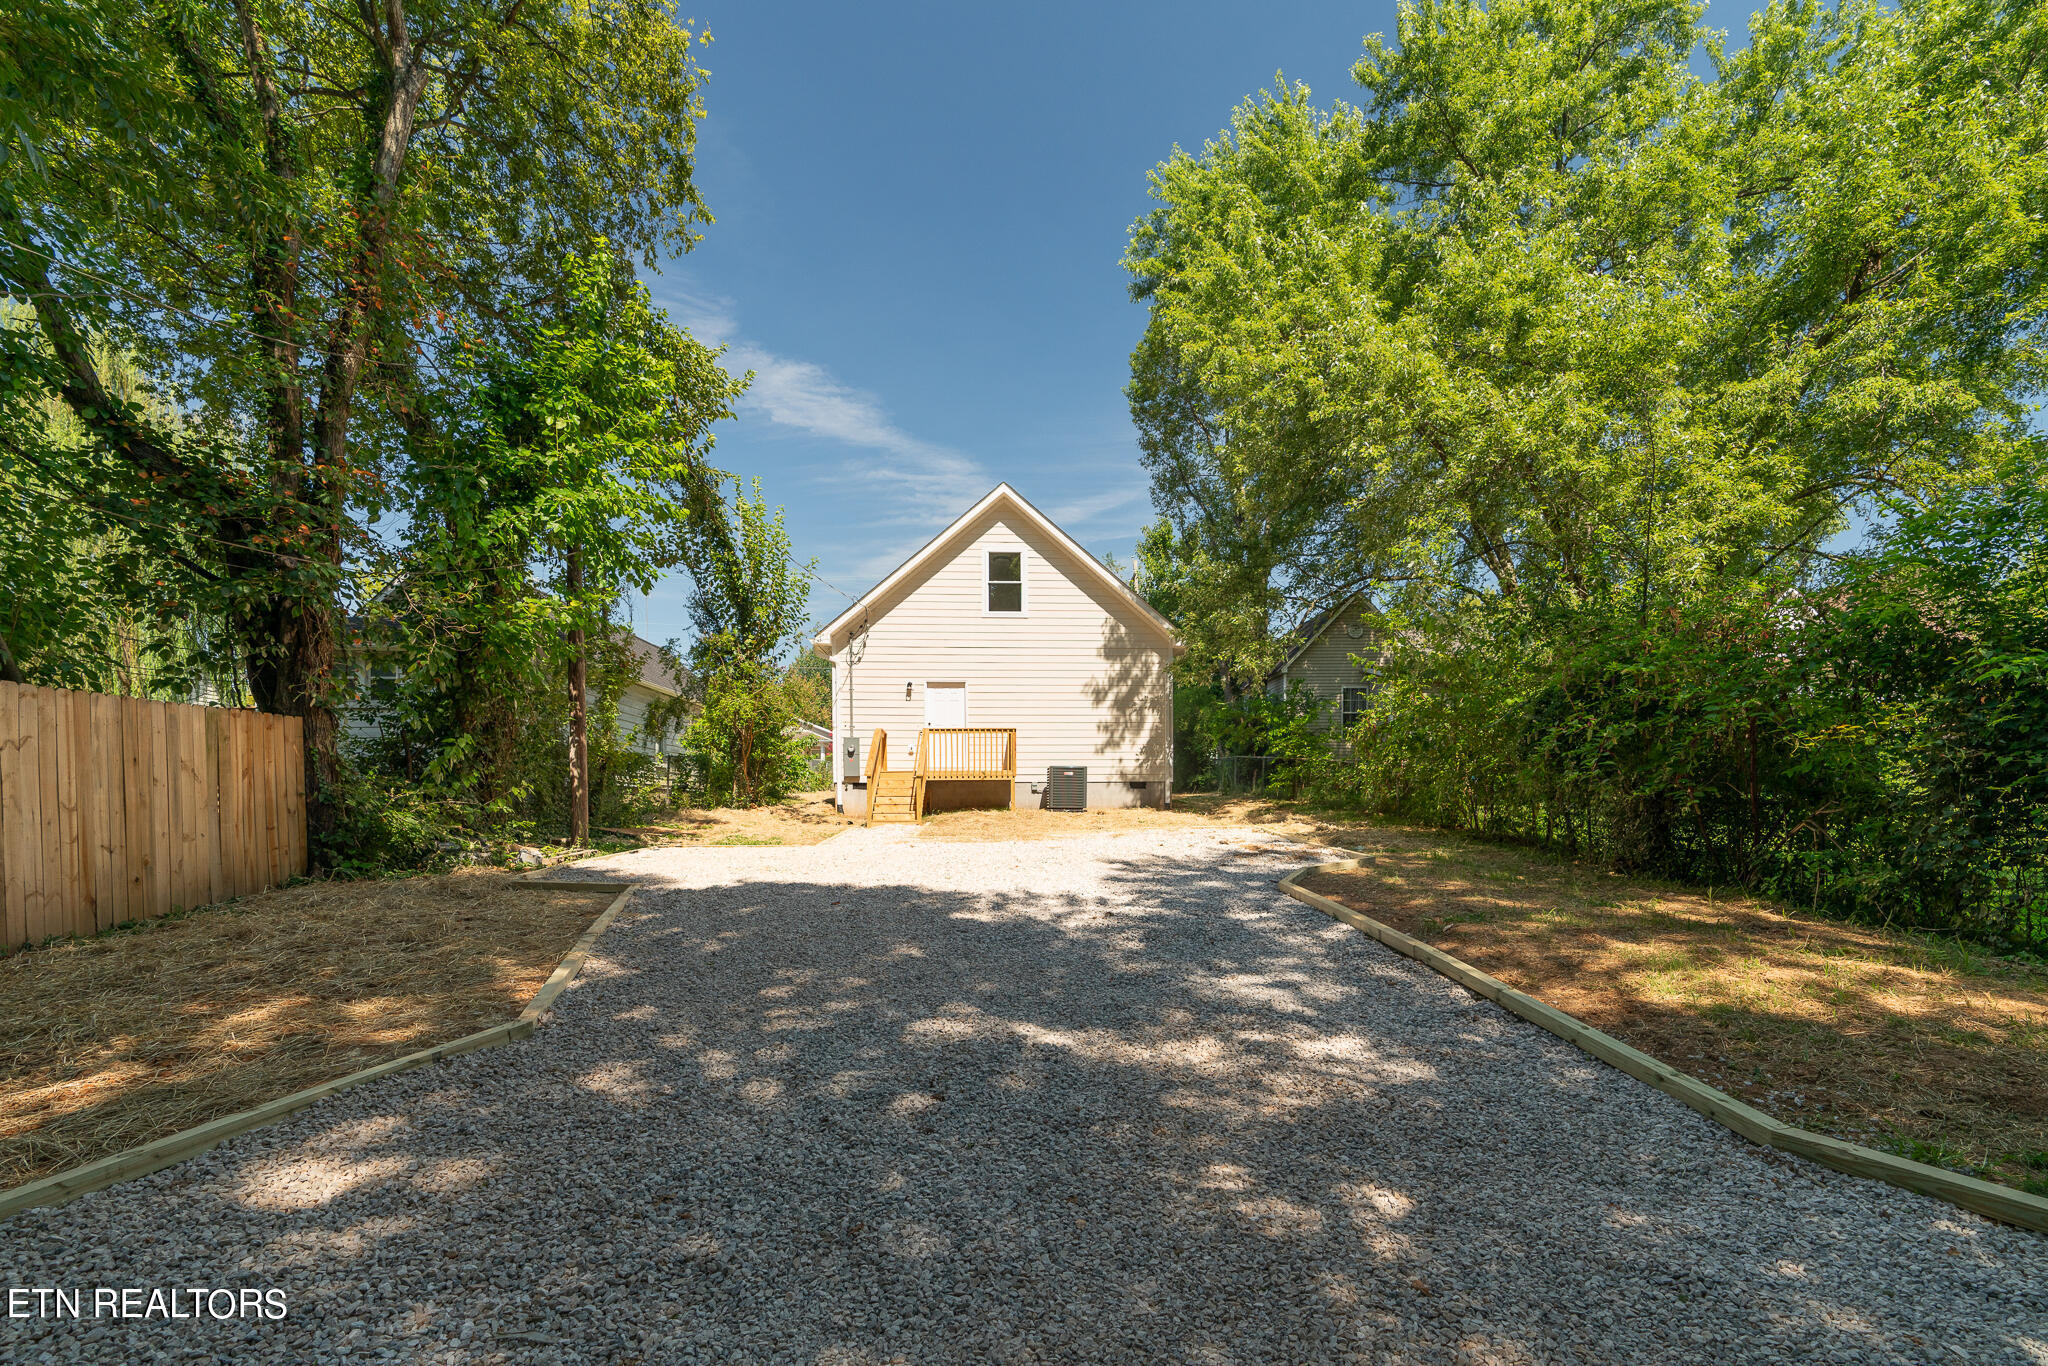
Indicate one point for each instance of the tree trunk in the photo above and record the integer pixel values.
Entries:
(579, 713)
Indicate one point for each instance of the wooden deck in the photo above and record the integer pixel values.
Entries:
(974, 754)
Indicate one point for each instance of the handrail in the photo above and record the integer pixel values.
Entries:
(967, 752)
(878, 763)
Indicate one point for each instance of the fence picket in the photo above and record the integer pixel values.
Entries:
(109, 855)
(119, 808)
(267, 789)
(247, 724)
(141, 850)
(16, 780)
(79, 803)
(194, 791)
(49, 744)
(164, 827)
(29, 785)
(216, 873)
(174, 812)
(295, 790)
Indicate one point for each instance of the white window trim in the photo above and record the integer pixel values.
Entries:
(1364, 702)
(1023, 580)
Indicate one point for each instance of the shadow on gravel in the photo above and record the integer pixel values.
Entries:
(1184, 1120)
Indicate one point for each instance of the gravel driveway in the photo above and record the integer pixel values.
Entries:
(1103, 1099)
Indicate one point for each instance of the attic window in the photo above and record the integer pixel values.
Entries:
(1006, 581)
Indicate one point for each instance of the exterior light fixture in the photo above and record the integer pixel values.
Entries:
(906, 692)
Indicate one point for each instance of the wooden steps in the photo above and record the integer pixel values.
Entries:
(944, 754)
(892, 798)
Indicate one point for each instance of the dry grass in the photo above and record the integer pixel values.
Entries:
(809, 818)
(1898, 1040)
(1189, 810)
(806, 818)
(135, 1034)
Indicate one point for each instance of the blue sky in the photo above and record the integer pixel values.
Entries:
(920, 211)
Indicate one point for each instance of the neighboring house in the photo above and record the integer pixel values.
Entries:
(1003, 620)
(377, 674)
(655, 684)
(1324, 660)
(817, 740)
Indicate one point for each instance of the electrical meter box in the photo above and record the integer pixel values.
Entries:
(849, 758)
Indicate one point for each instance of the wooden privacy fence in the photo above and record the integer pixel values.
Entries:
(115, 808)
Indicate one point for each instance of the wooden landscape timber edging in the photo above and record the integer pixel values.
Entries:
(175, 1148)
(1982, 1197)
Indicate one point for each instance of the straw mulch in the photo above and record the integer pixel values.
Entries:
(1903, 1041)
(116, 1040)
(805, 818)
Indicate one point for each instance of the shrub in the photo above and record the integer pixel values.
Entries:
(387, 829)
(740, 743)
(1874, 744)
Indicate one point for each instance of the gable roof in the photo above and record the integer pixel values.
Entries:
(1316, 627)
(1000, 495)
(654, 674)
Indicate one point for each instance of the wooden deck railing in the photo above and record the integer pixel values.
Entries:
(967, 753)
(944, 755)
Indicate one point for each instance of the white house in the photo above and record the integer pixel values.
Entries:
(1003, 620)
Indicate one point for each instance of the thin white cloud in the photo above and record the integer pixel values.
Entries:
(709, 320)
(925, 479)
(1080, 511)
(928, 478)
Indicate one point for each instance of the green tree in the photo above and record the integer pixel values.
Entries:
(809, 681)
(87, 603)
(279, 207)
(575, 470)
(1549, 319)
(1578, 362)
(749, 610)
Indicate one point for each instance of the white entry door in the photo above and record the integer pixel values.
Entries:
(945, 704)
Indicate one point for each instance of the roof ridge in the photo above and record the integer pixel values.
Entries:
(821, 642)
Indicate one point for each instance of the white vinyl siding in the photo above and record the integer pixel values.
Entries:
(633, 707)
(1083, 675)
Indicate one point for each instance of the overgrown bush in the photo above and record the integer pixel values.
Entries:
(1874, 744)
(741, 743)
(386, 828)
(491, 748)
(1258, 741)
(749, 612)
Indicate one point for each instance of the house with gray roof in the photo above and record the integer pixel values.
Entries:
(1334, 657)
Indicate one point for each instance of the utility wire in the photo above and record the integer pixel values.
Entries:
(833, 586)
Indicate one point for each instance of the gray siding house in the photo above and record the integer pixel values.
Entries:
(1326, 661)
